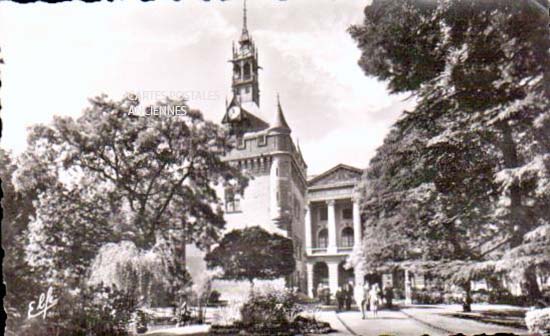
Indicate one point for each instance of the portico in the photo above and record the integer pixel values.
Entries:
(332, 228)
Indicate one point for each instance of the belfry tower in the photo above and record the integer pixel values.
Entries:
(275, 196)
(245, 83)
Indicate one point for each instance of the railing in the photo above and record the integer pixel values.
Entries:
(323, 250)
(345, 249)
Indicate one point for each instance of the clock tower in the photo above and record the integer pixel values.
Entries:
(242, 113)
(245, 82)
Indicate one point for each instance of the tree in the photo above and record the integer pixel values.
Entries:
(253, 253)
(22, 283)
(480, 71)
(109, 176)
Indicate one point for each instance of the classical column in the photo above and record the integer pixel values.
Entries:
(332, 246)
(356, 224)
(309, 274)
(309, 242)
(333, 277)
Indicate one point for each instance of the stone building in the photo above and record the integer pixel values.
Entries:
(332, 228)
(319, 213)
(276, 194)
(265, 150)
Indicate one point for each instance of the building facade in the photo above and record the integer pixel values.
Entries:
(276, 194)
(320, 214)
(332, 228)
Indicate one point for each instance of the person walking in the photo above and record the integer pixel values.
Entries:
(348, 295)
(340, 298)
(365, 300)
(374, 298)
(388, 295)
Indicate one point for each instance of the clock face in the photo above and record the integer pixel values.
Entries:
(234, 112)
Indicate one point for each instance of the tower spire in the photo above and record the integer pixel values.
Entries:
(245, 28)
(245, 84)
(244, 35)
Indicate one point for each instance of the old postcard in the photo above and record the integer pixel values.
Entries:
(272, 167)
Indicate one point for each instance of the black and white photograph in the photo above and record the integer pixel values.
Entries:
(275, 167)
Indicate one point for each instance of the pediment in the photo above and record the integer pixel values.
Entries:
(340, 174)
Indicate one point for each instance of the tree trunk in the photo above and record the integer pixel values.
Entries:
(511, 160)
(519, 224)
(530, 286)
(467, 303)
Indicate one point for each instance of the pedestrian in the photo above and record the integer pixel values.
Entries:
(327, 295)
(389, 296)
(340, 297)
(348, 295)
(374, 299)
(365, 300)
(321, 292)
(315, 290)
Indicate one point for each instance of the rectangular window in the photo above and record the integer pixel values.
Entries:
(347, 213)
(262, 140)
(241, 144)
(323, 213)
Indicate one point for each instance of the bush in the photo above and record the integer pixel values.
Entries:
(398, 293)
(424, 296)
(214, 297)
(503, 296)
(480, 296)
(452, 298)
(271, 308)
(538, 321)
(93, 311)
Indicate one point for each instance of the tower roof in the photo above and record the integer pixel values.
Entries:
(279, 122)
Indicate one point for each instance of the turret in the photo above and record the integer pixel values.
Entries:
(279, 123)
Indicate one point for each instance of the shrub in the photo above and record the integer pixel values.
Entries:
(452, 298)
(480, 296)
(93, 311)
(214, 297)
(424, 296)
(398, 293)
(271, 308)
(538, 321)
(503, 296)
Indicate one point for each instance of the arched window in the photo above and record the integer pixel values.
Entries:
(323, 238)
(247, 71)
(236, 71)
(347, 237)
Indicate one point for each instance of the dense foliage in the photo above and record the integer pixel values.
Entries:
(108, 185)
(21, 282)
(273, 312)
(249, 254)
(462, 182)
(94, 311)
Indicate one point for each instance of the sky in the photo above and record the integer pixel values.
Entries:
(58, 55)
